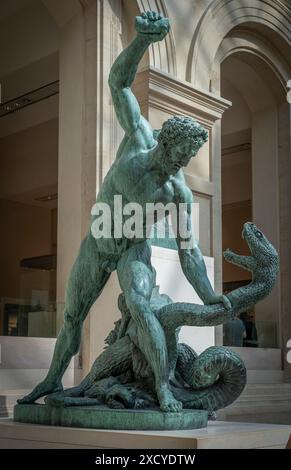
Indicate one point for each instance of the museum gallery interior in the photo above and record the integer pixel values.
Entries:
(145, 179)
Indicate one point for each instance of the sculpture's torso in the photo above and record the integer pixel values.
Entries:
(131, 178)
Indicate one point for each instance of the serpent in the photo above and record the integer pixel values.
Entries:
(212, 380)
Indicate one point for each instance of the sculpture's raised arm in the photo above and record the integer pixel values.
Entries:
(150, 27)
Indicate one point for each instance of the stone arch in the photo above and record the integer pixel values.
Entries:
(254, 49)
(270, 123)
(217, 22)
(162, 55)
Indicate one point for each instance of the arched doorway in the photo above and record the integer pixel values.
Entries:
(252, 72)
(258, 35)
(250, 143)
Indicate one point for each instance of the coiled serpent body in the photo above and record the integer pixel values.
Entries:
(120, 376)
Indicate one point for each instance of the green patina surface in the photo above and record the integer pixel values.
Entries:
(143, 367)
(104, 418)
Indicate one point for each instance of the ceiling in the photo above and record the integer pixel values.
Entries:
(45, 196)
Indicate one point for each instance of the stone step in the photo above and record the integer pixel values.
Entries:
(269, 406)
(268, 403)
(273, 393)
(217, 435)
(266, 376)
(261, 359)
(274, 387)
(8, 399)
(265, 392)
(264, 396)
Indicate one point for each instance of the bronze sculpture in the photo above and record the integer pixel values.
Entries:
(143, 366)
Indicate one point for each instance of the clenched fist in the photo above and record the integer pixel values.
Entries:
(152, 25)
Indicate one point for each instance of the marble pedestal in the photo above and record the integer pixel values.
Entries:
(217, 435)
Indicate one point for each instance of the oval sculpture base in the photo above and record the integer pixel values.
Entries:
(100, 417)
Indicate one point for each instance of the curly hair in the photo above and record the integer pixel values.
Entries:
(180, 128)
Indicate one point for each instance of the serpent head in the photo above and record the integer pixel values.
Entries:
(260, 247)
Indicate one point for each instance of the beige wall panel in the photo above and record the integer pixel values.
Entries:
(25, 233)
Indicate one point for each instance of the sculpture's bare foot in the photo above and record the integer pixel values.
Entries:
(168, 403)
(42, 389)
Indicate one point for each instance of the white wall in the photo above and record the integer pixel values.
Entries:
(172, 281)
(24, 362)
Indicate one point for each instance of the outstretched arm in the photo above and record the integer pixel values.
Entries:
(190, 255)
(151, 27)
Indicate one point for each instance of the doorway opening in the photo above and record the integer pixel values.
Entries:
(249, 188)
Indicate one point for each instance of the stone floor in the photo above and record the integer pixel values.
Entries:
(218, 435)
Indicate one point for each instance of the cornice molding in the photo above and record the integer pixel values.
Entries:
(170, 94)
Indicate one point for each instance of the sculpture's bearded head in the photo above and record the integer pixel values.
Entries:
(180, 138)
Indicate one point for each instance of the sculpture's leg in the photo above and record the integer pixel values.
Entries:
(137, 280)
(85, 284)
